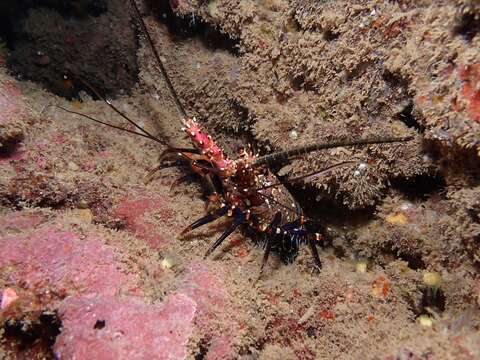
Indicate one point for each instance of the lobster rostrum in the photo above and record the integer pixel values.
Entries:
(244, 188)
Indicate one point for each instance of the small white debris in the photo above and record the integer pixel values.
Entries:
(308, 314)
(361, 266)
(167, 263)
(427, 158)
(72, 166)
(425, 321)
(293, 134)
(406, 206)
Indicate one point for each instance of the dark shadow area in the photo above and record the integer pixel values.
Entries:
(415, 261)
(327, 210)
(419, 187)
(330, 35)
(432, 299)
(406, 116)
(90, 39)
(191, 26)
(468, 24)
(41, 333)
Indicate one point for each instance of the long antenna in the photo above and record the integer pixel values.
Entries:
(302, 150)
(175, 97)
(304, 176)
(110, 125)
(114, 108)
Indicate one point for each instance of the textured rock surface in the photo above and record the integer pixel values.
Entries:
(107, 327)
(94, 253)
(12, 123)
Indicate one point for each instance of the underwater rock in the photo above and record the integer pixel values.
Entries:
(13, 112)
(108, 327)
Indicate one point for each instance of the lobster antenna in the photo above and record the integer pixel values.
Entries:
(110, 125)
(114, 108)
(302, 150)
(318, 173)
(174, 94)
(313, 173)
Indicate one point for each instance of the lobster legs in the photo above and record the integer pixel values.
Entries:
(283, 238)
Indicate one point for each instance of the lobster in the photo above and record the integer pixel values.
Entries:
(243, 189)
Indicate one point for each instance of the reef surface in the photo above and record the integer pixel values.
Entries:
(92, 263)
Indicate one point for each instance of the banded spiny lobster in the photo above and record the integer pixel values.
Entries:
(243, 189)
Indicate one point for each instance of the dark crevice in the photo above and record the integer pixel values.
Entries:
(330, 35)
(297, 82)
(202, 350)
(406, 116)
(433, 298)
(192, 26)
(414, 261)
(419, 187)
(468, 25)
(395, 80)
(12, 13)
(328, 210)
(10, 148)
(99, 324)
(91, 39)
(42, 333)
(400, 87)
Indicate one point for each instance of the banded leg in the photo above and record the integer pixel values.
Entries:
(206, 219)
(180, 153)
(270, 237)
(313, 248)
(239, 218)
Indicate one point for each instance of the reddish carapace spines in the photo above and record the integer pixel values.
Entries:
(204, 142)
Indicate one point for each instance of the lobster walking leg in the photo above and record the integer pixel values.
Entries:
(270, 233)
(239, 218)
(206, 219)
(313, 248)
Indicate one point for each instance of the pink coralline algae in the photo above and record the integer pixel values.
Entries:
(16, 221)
(111, 328)
(9, 296)
(60, 261)
(214, 307)
(135, 213)
(103, 314)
